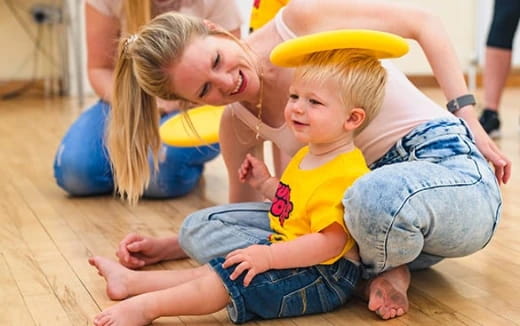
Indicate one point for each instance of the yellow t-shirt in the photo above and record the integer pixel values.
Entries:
(263, 11)
(308, 201)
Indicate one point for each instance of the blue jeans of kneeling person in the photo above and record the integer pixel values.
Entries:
(82, 165)
(432, 196)
(288, 292)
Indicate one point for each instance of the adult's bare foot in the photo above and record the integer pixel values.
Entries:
(387, 293)
(116, 276)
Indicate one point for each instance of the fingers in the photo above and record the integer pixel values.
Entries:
(236, 258)
(132, 243)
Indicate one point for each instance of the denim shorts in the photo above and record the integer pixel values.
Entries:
(288, 292)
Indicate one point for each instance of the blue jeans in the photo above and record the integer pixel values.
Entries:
(431, 196)
(82, 166)
(288, 292)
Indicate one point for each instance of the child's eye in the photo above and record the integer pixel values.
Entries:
(293, 96)
(312, 101)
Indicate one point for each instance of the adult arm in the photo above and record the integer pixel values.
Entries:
(236, 141)
(409, 22)
(102, 35)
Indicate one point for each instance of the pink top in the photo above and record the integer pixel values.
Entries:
(404, 107)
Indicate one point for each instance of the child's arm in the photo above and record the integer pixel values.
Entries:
(255, 172)
(307, 250)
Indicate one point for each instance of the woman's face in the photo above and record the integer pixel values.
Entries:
(215, 70)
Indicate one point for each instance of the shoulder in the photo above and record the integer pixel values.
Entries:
(223, 12)
(107, 7)
(308, 16)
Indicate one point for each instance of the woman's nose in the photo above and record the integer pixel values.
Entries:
(224, 82)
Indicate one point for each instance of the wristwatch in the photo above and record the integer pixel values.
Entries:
(460, 102)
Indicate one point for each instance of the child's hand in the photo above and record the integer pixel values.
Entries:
(254, 259)
(253, 171)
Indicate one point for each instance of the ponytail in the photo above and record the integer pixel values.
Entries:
(133, 130)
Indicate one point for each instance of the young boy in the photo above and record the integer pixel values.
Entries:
(309, 262)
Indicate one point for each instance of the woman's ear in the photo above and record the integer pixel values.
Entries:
(211, 25)
(355, 119)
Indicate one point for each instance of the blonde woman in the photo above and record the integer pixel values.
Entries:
(82, 166)
(431, 193)
(307, 262)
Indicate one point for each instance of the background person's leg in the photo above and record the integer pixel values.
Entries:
(81, 165)
(180, 169)
(497, 63)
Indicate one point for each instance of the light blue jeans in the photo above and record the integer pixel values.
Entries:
(82, 165)
(432, 196)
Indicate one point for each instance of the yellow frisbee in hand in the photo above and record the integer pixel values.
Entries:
(199, 128)
(292, 52)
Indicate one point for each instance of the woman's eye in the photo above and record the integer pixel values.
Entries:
(204, 90)
(217, 60)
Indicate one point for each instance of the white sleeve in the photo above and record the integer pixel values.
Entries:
(225, 13)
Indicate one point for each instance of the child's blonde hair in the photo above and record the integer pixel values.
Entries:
(141, 75)
(360, 77)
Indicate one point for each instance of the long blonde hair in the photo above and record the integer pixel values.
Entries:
(137, 13)
(360, 76)
(140, 76)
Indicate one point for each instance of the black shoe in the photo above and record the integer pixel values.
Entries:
(490, 122)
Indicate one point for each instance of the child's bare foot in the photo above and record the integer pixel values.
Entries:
(387, 293)
(130, 312)
(115, 275)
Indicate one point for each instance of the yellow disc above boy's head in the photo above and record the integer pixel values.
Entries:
(383, 45)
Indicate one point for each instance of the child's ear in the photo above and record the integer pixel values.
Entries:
(355, 119)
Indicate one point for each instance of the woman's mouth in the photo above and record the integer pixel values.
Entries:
(241, 84)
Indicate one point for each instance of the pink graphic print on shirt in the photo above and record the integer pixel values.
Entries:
(282, 205)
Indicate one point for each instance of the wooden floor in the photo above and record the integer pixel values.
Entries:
(46, 237)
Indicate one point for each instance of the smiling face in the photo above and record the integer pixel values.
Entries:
(316, 114)
(215, 70)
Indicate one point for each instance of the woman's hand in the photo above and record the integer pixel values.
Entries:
(493, 154)
(487, 147)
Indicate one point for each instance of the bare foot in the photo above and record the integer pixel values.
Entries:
(387, 293)
(115, 275)
(130, 312)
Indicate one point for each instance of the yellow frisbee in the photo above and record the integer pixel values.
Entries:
(384, 45)
(205, 121)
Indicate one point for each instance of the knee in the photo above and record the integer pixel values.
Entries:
(366, 209)
(79, 175)
(191, 239)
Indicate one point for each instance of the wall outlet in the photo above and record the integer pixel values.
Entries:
(43, 13)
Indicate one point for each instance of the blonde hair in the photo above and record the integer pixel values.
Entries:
(141, 75)
(137, 13)
(360, 77)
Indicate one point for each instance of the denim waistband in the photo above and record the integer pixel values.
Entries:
(421, 134)
(434, 128)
